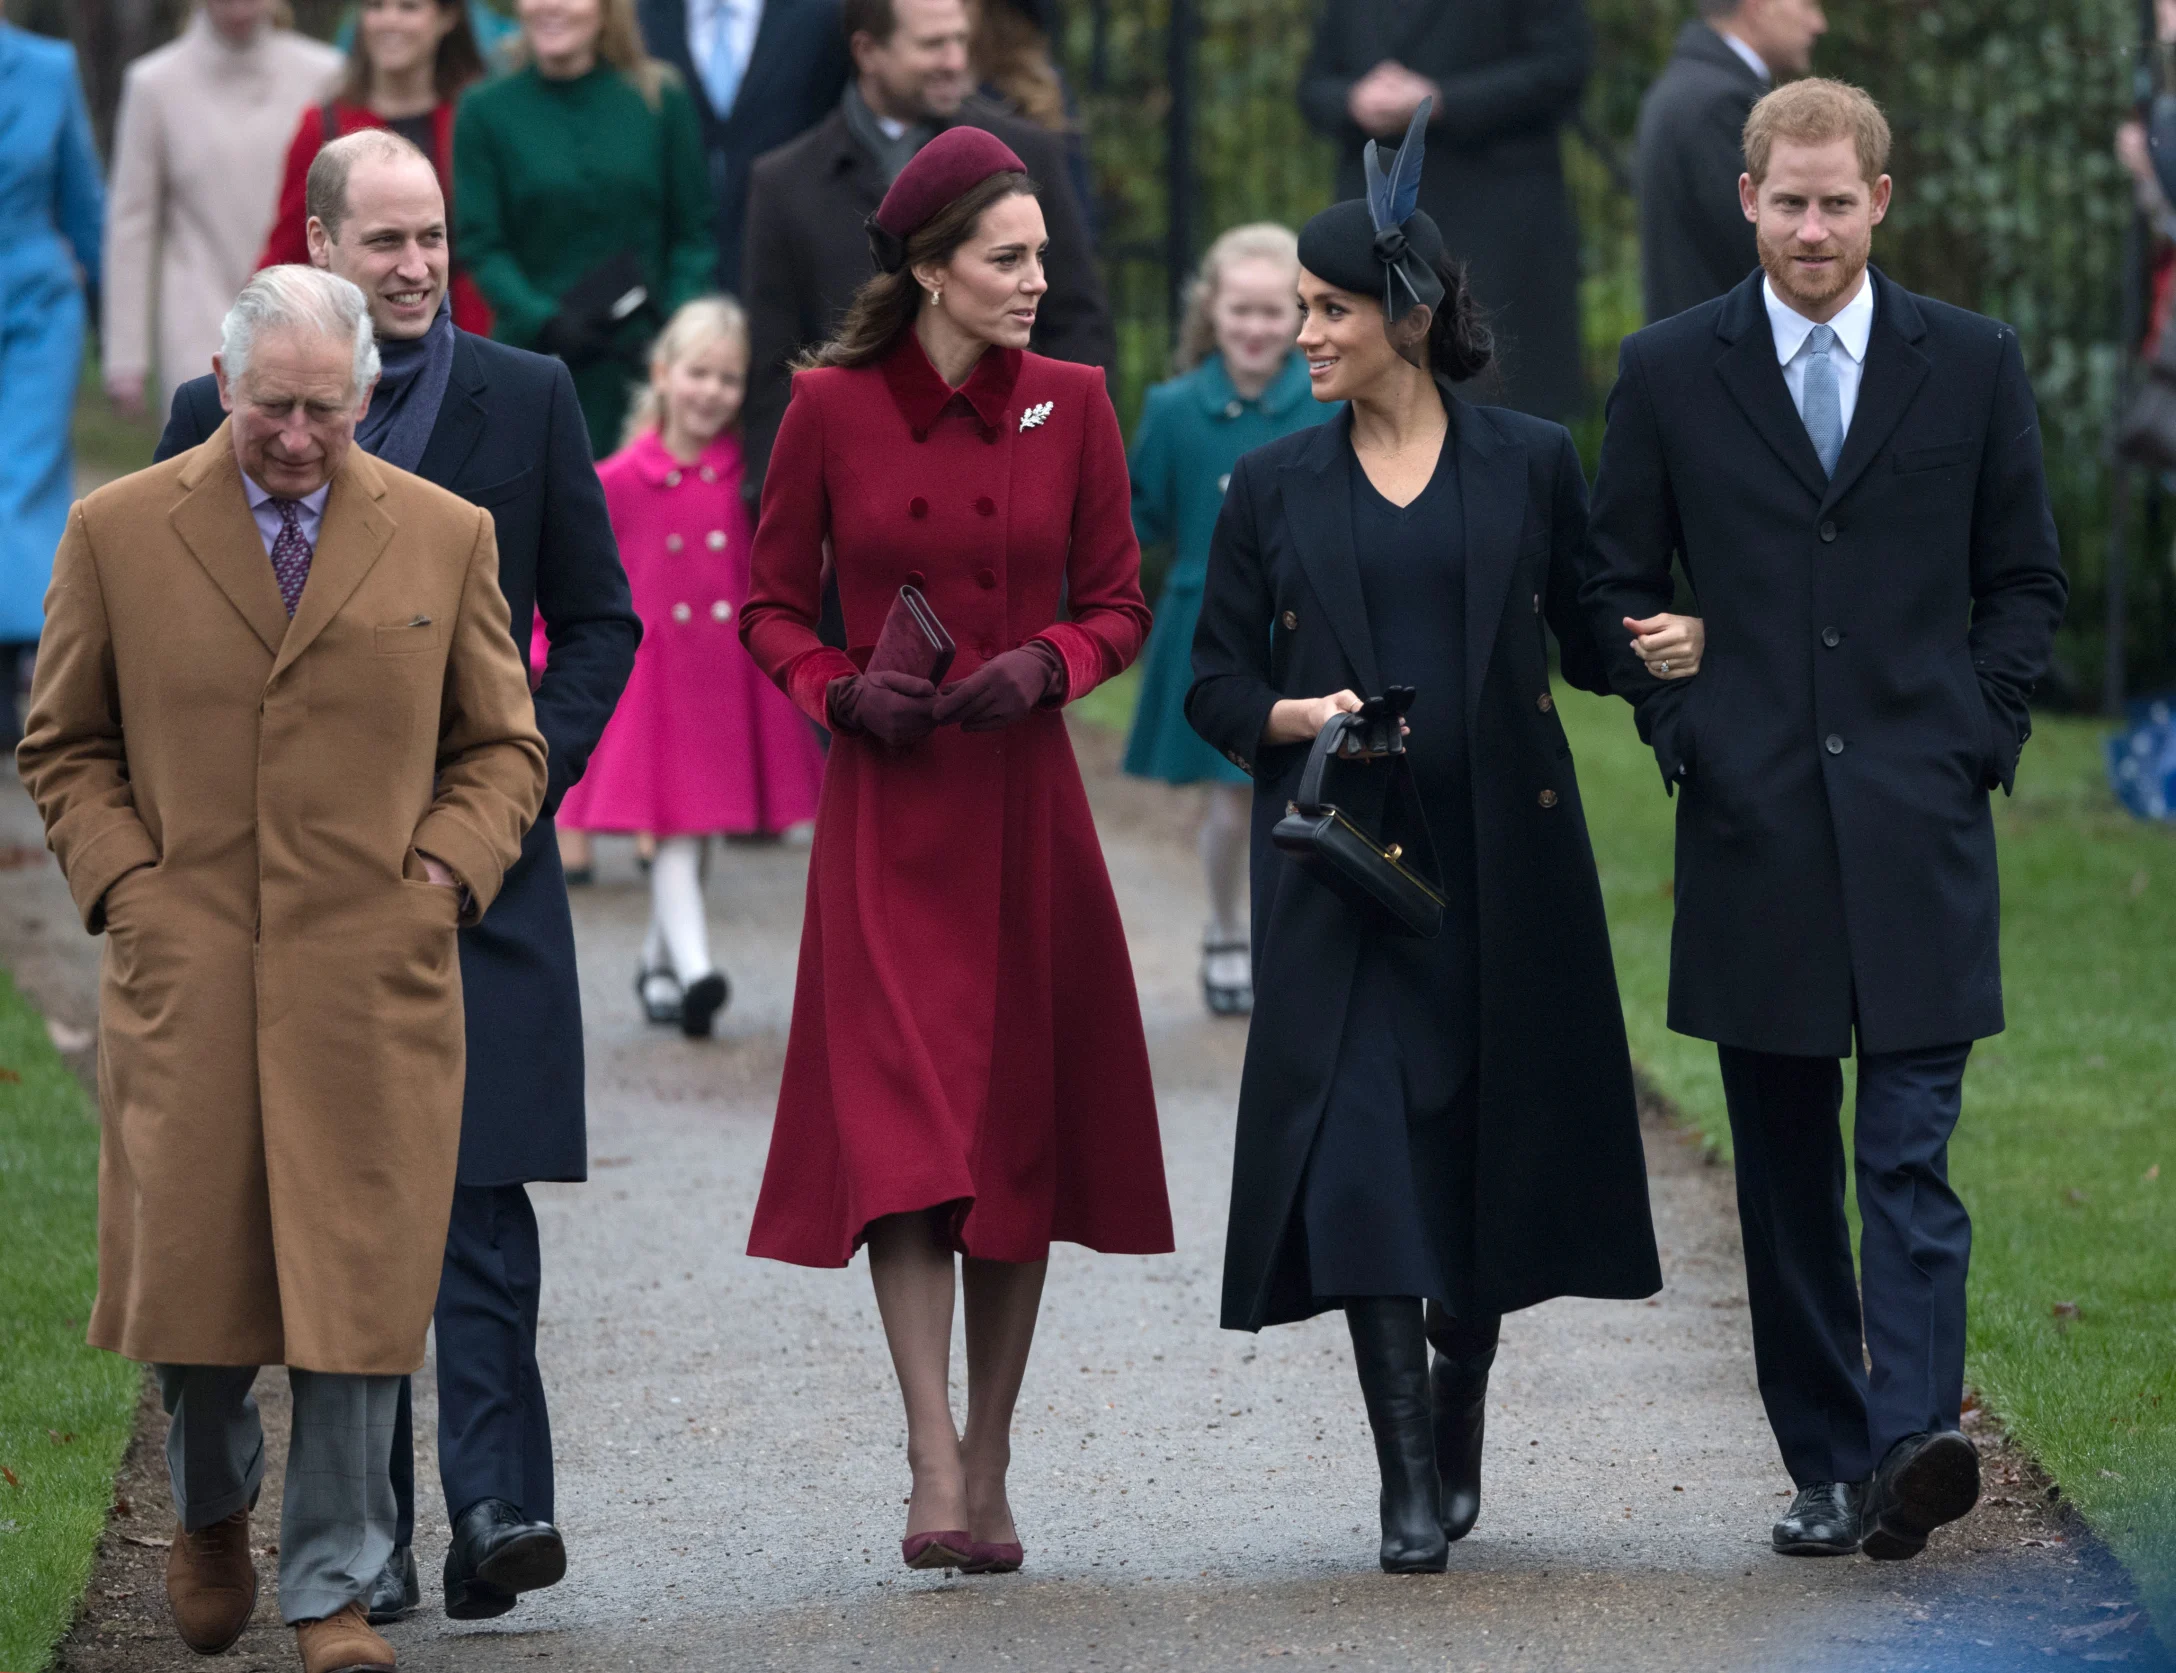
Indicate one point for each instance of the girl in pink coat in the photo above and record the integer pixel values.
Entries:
(702, 744)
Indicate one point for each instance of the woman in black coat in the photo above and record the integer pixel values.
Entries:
(1446, 1121)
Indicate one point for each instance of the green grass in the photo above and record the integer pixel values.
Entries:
(2066, 1154)
(65, 1409)
(108, 444)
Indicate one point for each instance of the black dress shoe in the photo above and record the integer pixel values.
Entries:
(1391, 1350)
(398, 1591)
(497, 1554)
(1458, 1393)
(1823, 1521)
(705, 998)
(1925, 1481)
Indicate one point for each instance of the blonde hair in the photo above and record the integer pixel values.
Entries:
(619, 44)
(694, 326)
(1256, 241)
(1012, 55)
(1816, 111)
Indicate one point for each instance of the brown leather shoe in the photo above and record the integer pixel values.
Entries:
(211, 1584)
(343, 1643)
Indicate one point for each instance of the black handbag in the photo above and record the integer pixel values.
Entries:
(1389, 875)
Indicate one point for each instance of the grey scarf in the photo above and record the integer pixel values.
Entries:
(411, 386)
(892, 155)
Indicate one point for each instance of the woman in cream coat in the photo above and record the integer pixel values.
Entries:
(202, 134)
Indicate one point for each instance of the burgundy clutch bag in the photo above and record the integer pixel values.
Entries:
(913, 641)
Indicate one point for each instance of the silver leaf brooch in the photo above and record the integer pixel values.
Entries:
(1036, 414)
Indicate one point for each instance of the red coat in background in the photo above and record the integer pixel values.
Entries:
(965, 1026)
(288, 240)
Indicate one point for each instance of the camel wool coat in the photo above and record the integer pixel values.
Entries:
(238, 801)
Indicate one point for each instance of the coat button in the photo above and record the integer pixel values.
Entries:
(1831, 638)
(672, 479)
(1545, 703)
(1291, 620)
(673, 543)
(986, 506)
(1547, 798)
(1834, 745)
(915, 578)
(917, 507)
(985, 650)
(681, 613)
(985, 579)
(1828, 531)
(1537, 604)
(715, 540)
(1232, 409)
(921, 433)
(709, 475)
(721, 611)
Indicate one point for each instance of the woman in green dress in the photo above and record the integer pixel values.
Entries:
(582, 201)
(1242, 384)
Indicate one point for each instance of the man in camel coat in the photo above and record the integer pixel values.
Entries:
(283, 745)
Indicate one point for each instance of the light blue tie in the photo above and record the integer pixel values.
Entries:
(722, 66)
(1823, 408)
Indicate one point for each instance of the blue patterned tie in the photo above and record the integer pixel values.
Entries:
(1823, 409)
(722, 66)
(291, 554)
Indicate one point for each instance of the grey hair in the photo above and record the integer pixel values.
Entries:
(292, 298)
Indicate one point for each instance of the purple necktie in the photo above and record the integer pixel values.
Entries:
(290, 554)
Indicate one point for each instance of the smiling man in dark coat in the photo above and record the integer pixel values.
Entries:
(502, 429)
(1852, 478)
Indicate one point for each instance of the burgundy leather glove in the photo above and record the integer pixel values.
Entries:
(1003, 690)
(894, 709)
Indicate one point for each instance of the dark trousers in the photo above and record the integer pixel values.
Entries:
(1833, 1419)
(494, 1435)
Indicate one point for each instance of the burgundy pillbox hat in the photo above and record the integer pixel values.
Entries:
(948, 167)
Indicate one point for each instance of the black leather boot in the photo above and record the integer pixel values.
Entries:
(1390, 1348)
(1458, 1390)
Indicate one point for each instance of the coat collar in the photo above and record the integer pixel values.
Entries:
(1214, 389)
(1895, 368)
(461, 416)
(922, 395)
(659, 469)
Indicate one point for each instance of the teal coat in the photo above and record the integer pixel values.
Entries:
(1192, 432)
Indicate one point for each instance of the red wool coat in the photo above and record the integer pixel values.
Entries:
(965, 1026)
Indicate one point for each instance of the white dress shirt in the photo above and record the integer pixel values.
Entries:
(265, 509)
(1753, 60)
(1853, 326)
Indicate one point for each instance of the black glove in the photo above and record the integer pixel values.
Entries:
(575, 340)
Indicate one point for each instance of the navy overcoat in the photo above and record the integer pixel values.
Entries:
(1561, 1196)
(510, 438)
(1871, 641)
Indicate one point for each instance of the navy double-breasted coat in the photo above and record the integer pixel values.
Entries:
(510, 438)
(1561, 1197)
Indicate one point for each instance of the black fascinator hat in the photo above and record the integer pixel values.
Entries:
(1382, 245)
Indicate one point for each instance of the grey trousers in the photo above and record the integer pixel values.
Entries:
(336, 1520)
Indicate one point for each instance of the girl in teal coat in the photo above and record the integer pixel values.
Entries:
(1242, 384)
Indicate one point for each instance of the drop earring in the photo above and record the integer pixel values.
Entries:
(936, 296)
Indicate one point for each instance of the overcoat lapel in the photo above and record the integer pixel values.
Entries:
(213, 521)
(1494, 495)
(354, 533)
(1894, 372)
(1318, 508)
(460, 422)
(1750, 372)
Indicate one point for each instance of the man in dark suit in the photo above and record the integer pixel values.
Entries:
(763, 72)
(501, 428)
(1506, 75)
(806, 251)
(1695, 242)
(1852, 477)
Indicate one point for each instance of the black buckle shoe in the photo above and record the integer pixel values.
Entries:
(1925, 1481)
(497, 1554)
(658, 1007)
(1823, 1521)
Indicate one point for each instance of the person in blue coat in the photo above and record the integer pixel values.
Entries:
(1243, 385)
(503, 429)
(51, 209)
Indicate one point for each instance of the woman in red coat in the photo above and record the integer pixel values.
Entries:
(409, 63)
(966, 1073)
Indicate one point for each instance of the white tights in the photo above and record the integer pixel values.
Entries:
(679, 938)
(1223, 844)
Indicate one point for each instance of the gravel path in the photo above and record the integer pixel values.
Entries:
(731, 1450)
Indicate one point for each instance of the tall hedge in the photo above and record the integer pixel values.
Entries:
(2009, 201)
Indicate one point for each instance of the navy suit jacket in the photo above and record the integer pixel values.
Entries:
(510, 438)
(797, 69)
(1871, 640)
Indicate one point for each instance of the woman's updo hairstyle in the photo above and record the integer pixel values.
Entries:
(1460, 344)
(932, 209)
(1403, 268)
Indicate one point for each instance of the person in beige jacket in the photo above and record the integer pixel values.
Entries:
(283, 745)
(198, 151)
